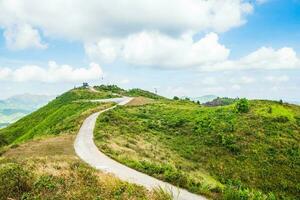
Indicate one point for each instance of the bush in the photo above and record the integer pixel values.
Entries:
(232, 193)
(242, 106)
(14, 181)
(281, 119)
(176, 98)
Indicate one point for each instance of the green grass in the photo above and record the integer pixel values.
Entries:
(136, 92)
(213, 151)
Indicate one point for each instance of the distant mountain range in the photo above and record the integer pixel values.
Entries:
(204, 99)
(294, 102)
(16, 107)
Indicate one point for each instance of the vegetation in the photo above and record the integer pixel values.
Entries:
(63, 115)
(132, 92)
(244, 150)
(242, 106)
(250, 154)
(220, 101)
(47, 168)
(58, 174)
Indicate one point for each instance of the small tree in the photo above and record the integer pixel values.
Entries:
(242, 106)
(175, 98)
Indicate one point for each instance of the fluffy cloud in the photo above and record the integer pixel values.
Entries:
(77, 19)
(4, 73)
(141, 32)
(156, 49)
(264, 58)
(243, 80)
(23, 36)
(53, 73)
(209, 81)
(277, 79)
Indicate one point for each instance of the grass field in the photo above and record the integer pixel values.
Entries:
(49, 169)
(214, 151)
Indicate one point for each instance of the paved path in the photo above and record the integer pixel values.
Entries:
(87, 150)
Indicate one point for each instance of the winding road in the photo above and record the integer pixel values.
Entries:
(86, 149)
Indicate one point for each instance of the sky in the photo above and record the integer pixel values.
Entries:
(233, 48)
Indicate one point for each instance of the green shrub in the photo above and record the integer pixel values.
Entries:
(46, 183)
(281, 119)
(14, 181)
(232, 193)
(242, 106)
(175, 98)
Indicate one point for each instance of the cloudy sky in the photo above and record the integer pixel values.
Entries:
(181, 47)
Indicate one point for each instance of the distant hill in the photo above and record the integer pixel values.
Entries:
(16, 107)
(221, 101)
(204, 99)
(294, 102)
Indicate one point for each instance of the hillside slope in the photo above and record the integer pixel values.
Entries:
(38, 159)
(213, 151)
(63, 115)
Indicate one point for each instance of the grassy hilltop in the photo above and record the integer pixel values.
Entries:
(244, 150)
(215, 151)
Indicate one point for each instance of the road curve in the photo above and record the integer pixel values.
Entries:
(86, 149)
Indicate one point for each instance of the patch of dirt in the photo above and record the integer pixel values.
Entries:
(62, 145)
(139, 101)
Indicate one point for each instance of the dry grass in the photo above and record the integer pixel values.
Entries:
(62, 145)
(57, 173)
(139, 101)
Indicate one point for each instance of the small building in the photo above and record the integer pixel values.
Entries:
(85, 85)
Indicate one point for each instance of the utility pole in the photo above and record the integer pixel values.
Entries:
(155, 90)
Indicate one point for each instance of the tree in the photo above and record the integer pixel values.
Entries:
(242, 106)
(175, 98)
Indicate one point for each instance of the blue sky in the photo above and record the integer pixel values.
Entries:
(227, 48)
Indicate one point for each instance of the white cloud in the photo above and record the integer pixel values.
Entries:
(277, 79)
(207, 54)
(209, 81)
(23, 36)
(141, 32)
(236, 87)
(4, 73)
(243, 80)
(125, 81)
(85, 21)
(53, 73)
(265, 58)
(156, 49)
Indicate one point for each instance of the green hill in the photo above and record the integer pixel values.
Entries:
(38, 159)
(61, 116)
(204, 99)
(223, 152)
(215, 151)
